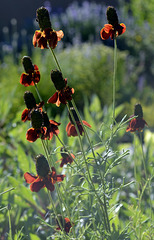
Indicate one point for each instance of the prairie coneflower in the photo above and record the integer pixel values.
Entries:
(113, 28)
(66, 224)
(66, 158)
(31, 75)
(44, 177)
(71, 128)
(46, 35)
(138, 123)
(64, 93)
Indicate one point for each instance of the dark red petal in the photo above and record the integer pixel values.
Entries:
(87, 124)
(53, 40)
(25, 115)
(49, 185)
(26, 80)
(32, 135)
(53, 99)
(37, 185)
(29, 177)
(60, 178)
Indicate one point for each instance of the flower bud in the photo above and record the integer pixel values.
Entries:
(42, 166)
(45, 119)
(138, 111)
(74, 115)
(29, 100)
(27, 63)
(43, 18)
(112, 16)
(57, 79)
(36, 119)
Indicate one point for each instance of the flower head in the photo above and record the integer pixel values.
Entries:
(66, 224)
(64, 93)
(71, 129)
(51, 125)
(37, 130)
(46, 35)
(138, 123)
(31, 75)
(44, 177)
(31, 105)
(66, 158)
(113, 28)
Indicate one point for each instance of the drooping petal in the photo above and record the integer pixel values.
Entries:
(29, 177)
(53, 40)
(60, 34)
(37, 185)
(124, 27)
(60, 178)
(25, 115)
(104, 35)
(32, 135)
(53, 98)
(26, 80)
(49, 185)
(87, 124)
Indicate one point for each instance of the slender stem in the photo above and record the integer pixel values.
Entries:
(87, 168)
(114, 81)
(55, 212)
(143, 157)
(10, 226)
(98, 167)
(38, 92)
(55, 58)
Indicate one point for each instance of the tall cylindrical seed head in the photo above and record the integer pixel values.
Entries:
(57, 79)
(36, 119)
(42, 166)
(138, 110)
(27, 64)
(29, 100)
(42, 16)
(112, 16)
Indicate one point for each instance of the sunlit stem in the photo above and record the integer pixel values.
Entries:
(114, 81)
(87, 169)
(55, 58)
(10, 226)
(92, 149)
(38, 92)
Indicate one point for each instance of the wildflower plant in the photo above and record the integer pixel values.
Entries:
(75, 171)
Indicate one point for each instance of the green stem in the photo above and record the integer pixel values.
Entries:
(55, 58)
(10, 226)
(87, 168)
(98, 167)
(38, 92)
(114, 81)
(143, 158)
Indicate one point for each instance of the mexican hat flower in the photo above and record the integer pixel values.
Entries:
(31, 105)
(66, 158)
(138, 123)
(64, 93)
(31, 75)
(71, 128)
(66, 224)
(46, 35)
(44, 178)
(51, 126)
(113, 28)
(37, 130)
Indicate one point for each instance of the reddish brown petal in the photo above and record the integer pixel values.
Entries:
(53, 99)
(87, 124)
(29, 177)
(25, 115)
(60, 178)
(124, 27)
(32, 135)
(26, 80)
(53, 40)
(42, 43)
(104, 35)
(49, 185)
(37, 185)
